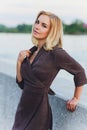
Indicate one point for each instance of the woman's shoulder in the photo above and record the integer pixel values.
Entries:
(60, 52)
(57, 51)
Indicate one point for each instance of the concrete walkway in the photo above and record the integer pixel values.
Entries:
(62, 119)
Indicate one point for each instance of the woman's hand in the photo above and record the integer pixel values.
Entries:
(23, 54)
(71, 104)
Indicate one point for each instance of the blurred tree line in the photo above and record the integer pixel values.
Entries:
(23, 28)
(77, 27)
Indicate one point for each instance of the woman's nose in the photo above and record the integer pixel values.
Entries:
(37, 26)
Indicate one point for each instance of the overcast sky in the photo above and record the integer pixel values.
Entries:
(14, 12)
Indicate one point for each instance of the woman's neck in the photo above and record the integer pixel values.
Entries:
(40, 44)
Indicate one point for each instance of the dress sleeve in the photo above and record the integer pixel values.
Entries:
(64, 61)
(20, 84)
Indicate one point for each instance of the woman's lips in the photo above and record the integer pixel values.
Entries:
(35, 32)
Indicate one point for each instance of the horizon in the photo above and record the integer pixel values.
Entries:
(13, 26)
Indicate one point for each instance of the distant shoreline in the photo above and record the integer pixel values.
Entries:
(76, 28)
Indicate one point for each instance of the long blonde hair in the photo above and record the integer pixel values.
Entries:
(54, 37)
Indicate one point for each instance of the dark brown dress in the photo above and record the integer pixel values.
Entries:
(34, 112)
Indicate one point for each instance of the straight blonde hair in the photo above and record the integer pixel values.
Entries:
(54, 37)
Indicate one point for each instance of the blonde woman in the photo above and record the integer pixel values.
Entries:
(37, 68)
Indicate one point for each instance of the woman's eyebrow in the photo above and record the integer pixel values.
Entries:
(45, 24)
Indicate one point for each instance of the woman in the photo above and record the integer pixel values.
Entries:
(37, 68)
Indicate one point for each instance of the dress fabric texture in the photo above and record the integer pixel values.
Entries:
(34, 111)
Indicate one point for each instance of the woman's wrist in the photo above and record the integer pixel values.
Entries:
(78, 92)
(76, 98)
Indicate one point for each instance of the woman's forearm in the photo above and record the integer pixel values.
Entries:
(18, 74)
(78, 92)
(22, 55)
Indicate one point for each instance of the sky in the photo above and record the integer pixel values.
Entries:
(14, 12)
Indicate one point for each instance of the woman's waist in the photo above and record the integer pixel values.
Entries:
(35, 89)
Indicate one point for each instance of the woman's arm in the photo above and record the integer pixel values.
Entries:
(18, 74)
(71, 104)
(64, 61)
(22, 55)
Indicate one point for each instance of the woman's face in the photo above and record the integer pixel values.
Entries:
(41, 27)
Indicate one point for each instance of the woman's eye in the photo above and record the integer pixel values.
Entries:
(37, 21)
(44, 26)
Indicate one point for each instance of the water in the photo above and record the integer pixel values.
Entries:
(75, 45)
(11, 44)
